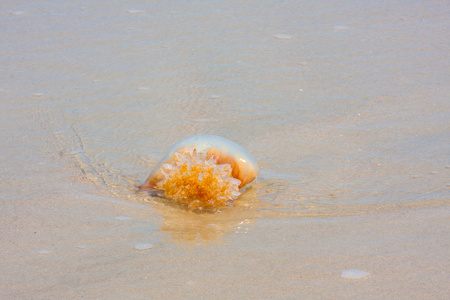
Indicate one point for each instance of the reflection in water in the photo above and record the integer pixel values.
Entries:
(191, 228)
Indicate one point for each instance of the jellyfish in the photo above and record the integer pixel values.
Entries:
(202, 171)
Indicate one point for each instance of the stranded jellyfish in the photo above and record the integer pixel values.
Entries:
(202, 171)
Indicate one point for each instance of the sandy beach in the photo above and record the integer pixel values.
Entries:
(345, 108)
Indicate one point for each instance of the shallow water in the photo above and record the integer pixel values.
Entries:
(345, 107)
(343, 104)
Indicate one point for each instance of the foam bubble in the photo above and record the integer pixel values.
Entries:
(143, 246)
(44, 251)
(143, 88)
(18, 12)
(75, 152)
(283, 36)
(354, 274)
(81, 246)
(38, 94)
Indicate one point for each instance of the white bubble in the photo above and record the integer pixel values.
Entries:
(283, 36)
(143, 88)
(122, 218)
(44, 251)
(143, 246)
(354, 274)
(38, 94)
(18, 12)
(81, 246)
(76, 152)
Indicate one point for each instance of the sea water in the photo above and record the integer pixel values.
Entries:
(344, 107)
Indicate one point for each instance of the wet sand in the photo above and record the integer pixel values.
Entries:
(345, 107)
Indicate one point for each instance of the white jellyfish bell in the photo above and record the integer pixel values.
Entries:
(202, 171)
